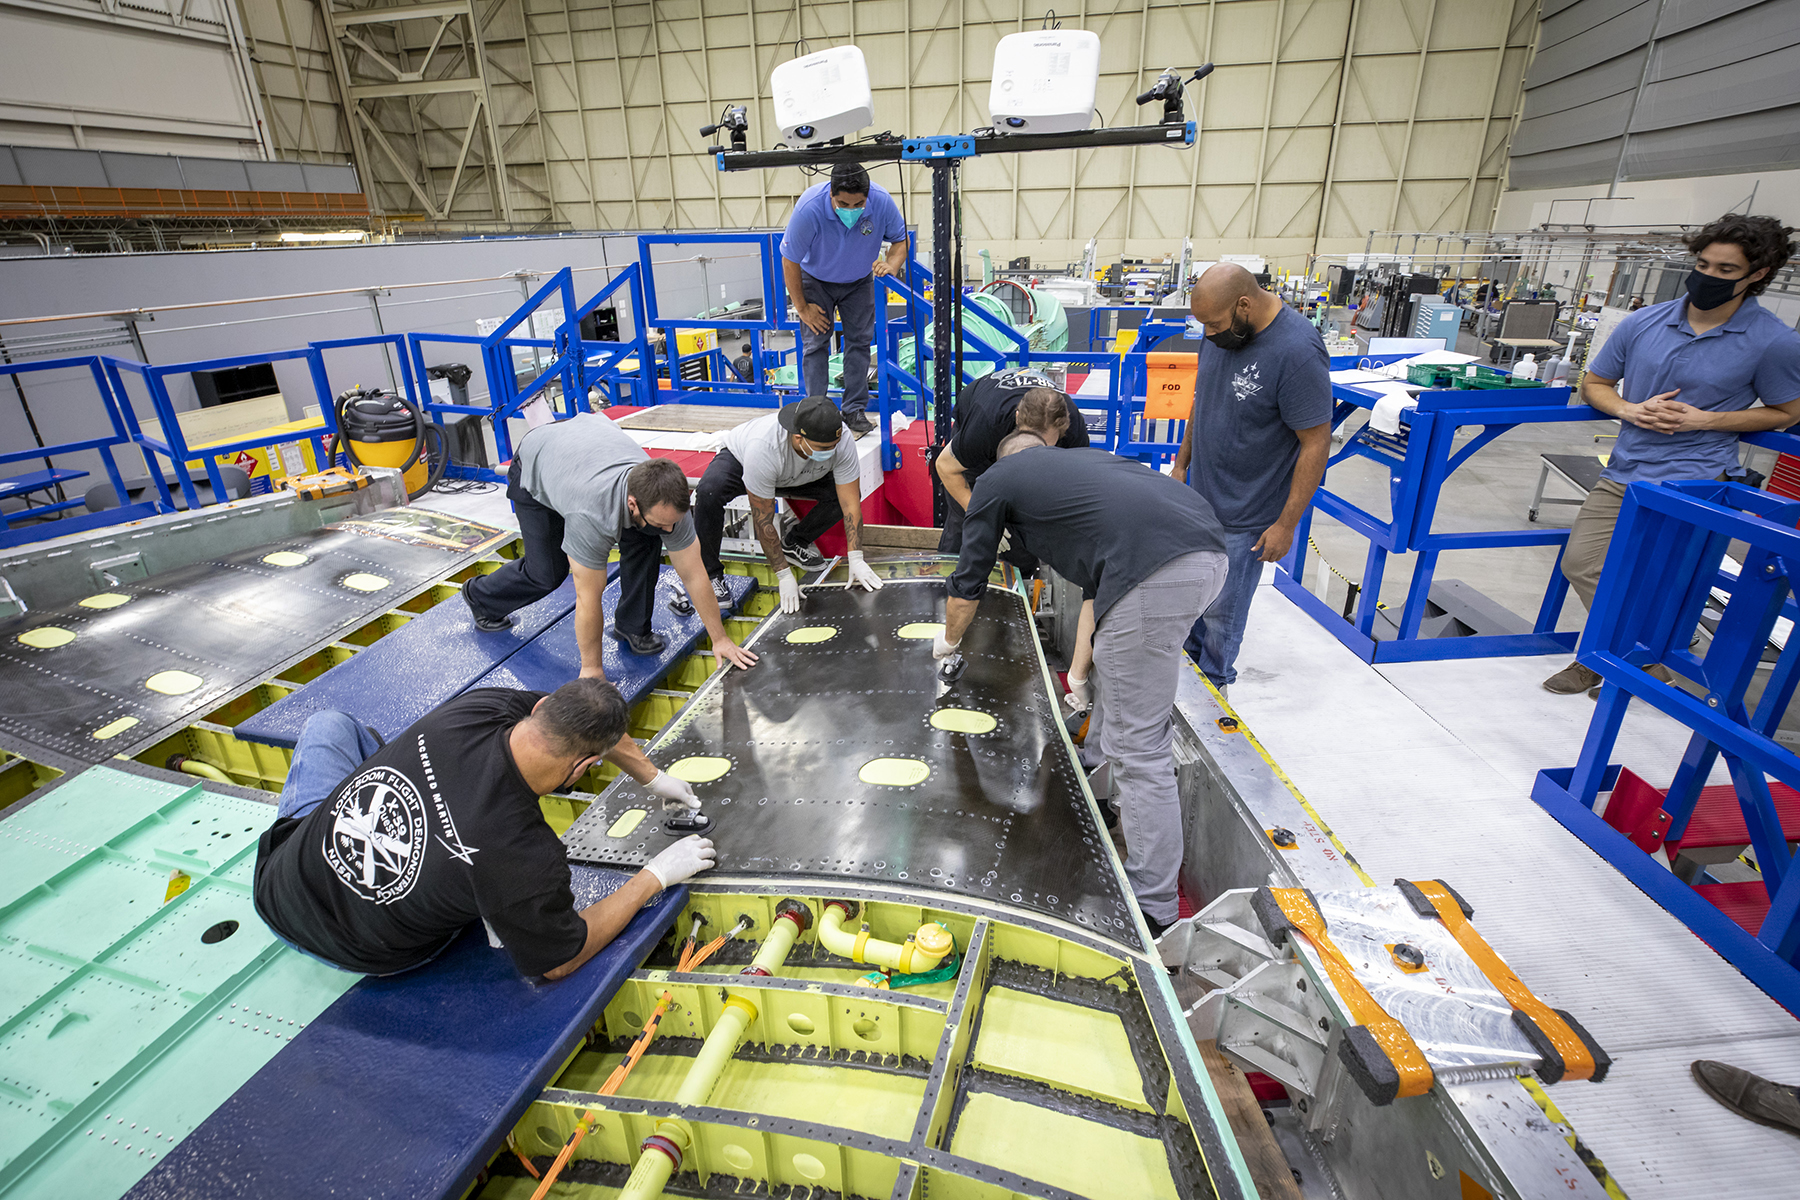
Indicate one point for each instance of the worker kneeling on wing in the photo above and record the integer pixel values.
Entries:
(986, 411)
(381, 855)
(801, 451)
(579, 488)
(1148, 552)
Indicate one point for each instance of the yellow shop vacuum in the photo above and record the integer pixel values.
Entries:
(383, 429)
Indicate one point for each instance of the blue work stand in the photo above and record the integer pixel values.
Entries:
(1419, 461)
(1662, 567)
(410, 1083)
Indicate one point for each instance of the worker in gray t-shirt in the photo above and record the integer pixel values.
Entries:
(579, 488)
(803, 452)
(1257, 442)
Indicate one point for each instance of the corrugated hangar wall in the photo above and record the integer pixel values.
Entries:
(1325, 119)
(1658, 89)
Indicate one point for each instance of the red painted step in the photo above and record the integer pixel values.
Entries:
(1636, 810)
(1746, 902)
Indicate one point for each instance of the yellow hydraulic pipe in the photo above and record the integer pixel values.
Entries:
(921, 952)
(663, 1150)
(194, 766)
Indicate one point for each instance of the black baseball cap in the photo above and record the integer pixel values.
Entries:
(815, 418)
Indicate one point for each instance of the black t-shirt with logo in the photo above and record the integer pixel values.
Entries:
(984, 416)
(433, 831)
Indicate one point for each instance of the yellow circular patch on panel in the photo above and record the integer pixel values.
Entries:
(895, 772)
(285, 558)
(106, 600)
(700, 768)
(920, 629)
(812, 633)
(173, 683)
(115, 729)
(362, 581)
(962, 720)
(46, 637)
(809, 1166)
(739, 1158)
(628, 820)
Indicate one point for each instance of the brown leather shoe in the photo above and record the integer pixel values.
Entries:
(1572, 679)
(1773, 1104)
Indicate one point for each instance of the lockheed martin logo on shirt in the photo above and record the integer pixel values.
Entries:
(1247, 382)
(1018, 379)
(377, 839)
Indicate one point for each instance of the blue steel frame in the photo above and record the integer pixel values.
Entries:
(173, 444)
(125, 433)
(1420, 460)
(1662, 564)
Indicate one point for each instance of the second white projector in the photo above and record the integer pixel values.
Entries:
(822, 96)
(1044, 82)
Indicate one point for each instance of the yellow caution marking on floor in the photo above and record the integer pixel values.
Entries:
(115, 729)
(173, 683)
(105, 600)
(920, 629)
(362, 581)
(286, 558)
(895, 772)
(962, 720)
(46, 637)
(808, 634)
(699, 768)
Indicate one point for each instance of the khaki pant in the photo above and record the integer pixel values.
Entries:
(1590, 536)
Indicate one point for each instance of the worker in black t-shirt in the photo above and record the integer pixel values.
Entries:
(381, 855)
(986, 411)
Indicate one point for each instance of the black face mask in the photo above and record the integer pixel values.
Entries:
(1235, 338)
(1709, 291)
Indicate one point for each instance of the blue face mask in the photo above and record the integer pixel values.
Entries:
(849, 216)
(824, 455)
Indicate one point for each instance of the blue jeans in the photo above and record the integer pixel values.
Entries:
(1214, 640)
(332, 744)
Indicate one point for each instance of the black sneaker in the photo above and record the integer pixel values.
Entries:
(485, 624)
(806, 557)
(644, 643)
(721, 592)
(858, 422)
(680, 603)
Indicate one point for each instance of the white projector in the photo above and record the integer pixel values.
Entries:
(822, 96)
(1044, 82)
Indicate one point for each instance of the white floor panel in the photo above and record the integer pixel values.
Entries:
(489, 508)
(1660, 1135)
(1425, 771)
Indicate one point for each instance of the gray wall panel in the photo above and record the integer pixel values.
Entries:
(215, 174)
(1718, 93)
(1576, 127)
(1605, 41)
(42, 167)
(1580, 17)
(9, 169)
(275, 176)
(1593, 163)
(141, 170)
(323, 178)
(1754, 142)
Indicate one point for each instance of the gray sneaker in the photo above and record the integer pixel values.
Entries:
(1572, 680)
(1773, 1104)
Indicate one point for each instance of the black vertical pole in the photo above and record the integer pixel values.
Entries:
(943, 309)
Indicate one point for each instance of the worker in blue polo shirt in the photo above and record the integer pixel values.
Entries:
(1682, 377)
(830, 256)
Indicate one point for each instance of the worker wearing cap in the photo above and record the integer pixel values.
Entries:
(1149, 553)
(579, 488)
(801, 452)
(831, 241)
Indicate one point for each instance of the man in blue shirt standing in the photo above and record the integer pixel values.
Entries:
(830, 256)
(1682, 377)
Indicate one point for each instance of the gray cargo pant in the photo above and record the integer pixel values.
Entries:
(854, 304)
(1137, 662)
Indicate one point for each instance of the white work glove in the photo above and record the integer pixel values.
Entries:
(1005, 542)
(677, 794)
(790, 590)
(682, 861)
(861, 574)
(1078, 696)
(942, 649)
